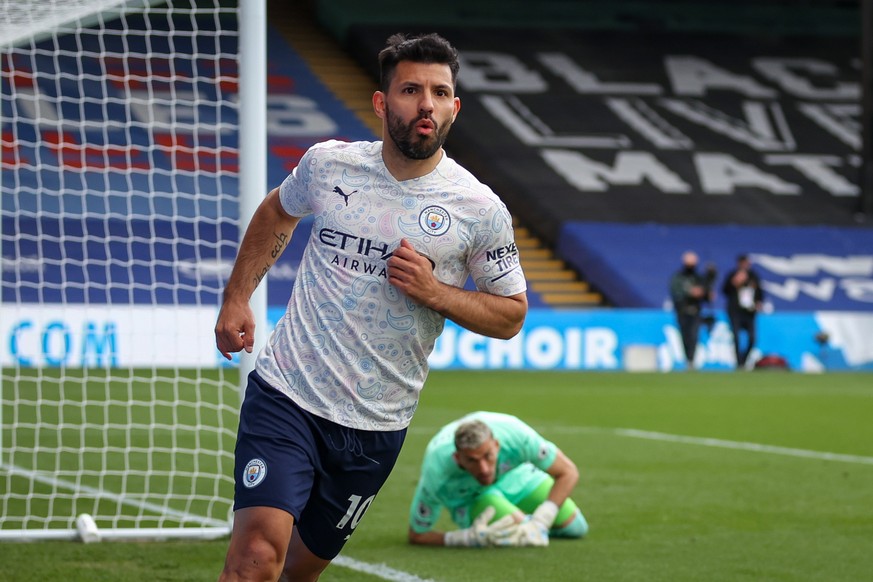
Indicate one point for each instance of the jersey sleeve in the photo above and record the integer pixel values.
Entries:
(428, 503)
(532, 447)
(494, 261)
(294, 192)
(425, 510)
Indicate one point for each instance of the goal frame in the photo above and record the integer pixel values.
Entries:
(252, 60)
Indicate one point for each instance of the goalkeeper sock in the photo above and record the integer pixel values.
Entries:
(576, 529)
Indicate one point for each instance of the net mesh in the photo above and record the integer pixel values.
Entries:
(119, 222)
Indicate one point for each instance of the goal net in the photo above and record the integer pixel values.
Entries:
(120, 219)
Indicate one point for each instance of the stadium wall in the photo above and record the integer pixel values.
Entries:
(301, 111)
(604, 340)
(811, 268)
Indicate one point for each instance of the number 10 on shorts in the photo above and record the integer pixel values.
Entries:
(356, 511)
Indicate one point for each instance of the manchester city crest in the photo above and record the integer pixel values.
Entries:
(434, 220)
(254, 473)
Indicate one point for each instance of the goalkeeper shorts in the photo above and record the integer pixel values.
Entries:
(522, 488)
(506, 494)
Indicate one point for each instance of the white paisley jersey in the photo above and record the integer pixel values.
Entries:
(351, 348)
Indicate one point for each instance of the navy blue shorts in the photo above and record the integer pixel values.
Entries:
(324, 474)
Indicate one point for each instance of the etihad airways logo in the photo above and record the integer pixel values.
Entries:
(367, 255)
(354, 244)
(371, 254)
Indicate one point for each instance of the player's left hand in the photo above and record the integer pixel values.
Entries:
(412, 273)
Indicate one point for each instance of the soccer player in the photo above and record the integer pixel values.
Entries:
(484, 467)
(398, 228)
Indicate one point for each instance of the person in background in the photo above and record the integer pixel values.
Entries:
(502, 483)
(690, 290)
(399, 227)
(744, 296)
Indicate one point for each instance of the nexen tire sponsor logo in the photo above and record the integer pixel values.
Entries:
(505, 258)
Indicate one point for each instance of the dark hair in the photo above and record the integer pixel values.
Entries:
(424, 48)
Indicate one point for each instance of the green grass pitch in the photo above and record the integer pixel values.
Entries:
(684, 477)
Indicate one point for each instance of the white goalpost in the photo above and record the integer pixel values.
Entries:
(129, 169)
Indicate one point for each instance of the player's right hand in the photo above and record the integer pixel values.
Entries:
(529, 533)
(481, 533)
(235, 329)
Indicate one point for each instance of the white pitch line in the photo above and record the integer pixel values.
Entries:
(720, 443)
(51, 480)
(744, 446)
(378, 570)
(704, 441)
(640, 434)
(387, 573)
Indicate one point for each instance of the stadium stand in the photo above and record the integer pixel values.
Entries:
(552, 282)
(625, 132)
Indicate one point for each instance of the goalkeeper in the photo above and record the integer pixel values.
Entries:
(502, 483)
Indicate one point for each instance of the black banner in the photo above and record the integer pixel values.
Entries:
(682, 128)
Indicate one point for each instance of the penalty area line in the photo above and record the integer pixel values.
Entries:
(705, 442)
(743, 446)
(378, 570)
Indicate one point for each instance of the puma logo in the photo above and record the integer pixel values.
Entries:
(345, 196)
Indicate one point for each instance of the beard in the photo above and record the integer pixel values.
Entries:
(412, 145)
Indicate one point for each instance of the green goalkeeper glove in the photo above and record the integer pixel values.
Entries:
(481, 533)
